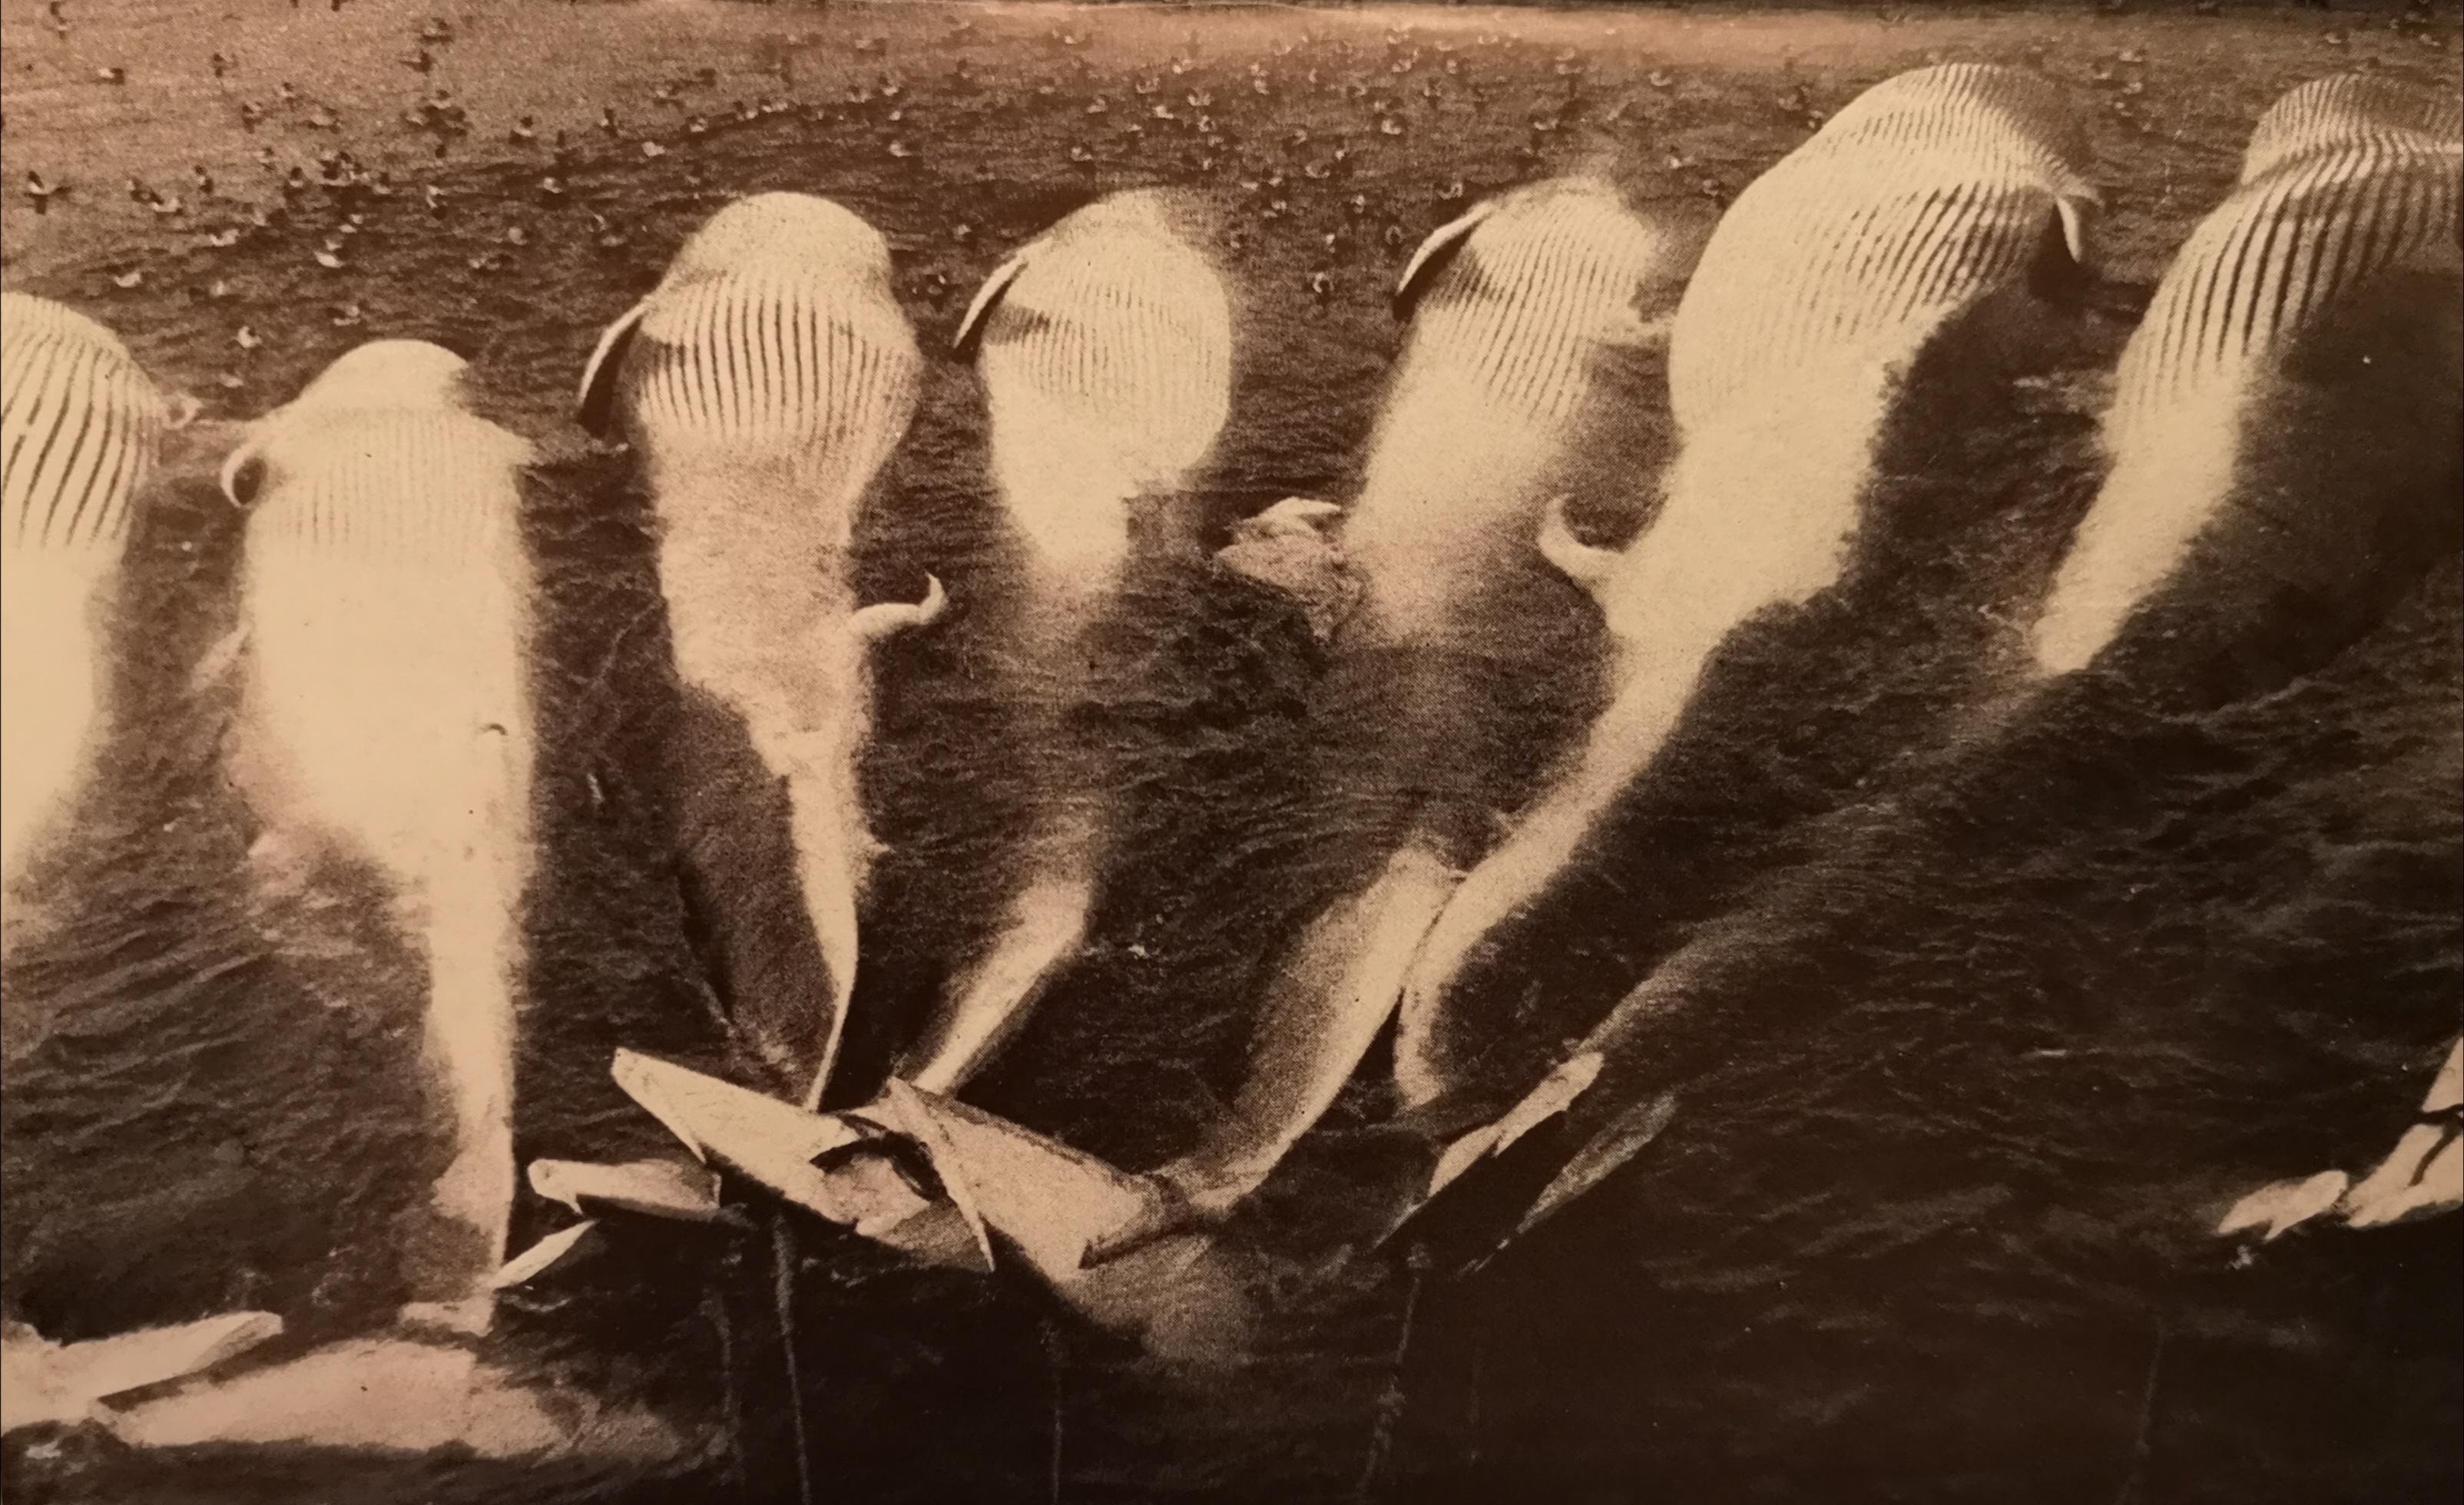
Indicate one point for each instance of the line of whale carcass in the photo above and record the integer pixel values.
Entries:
(2283, 429)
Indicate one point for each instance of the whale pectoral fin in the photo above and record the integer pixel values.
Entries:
(971, 325)
(871, 623)
(1434, 254)
(595, 402)
(935, 601)
(2079, 207)
(243, 474)
(1586, 564)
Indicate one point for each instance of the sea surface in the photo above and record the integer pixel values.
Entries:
(1932, 1227)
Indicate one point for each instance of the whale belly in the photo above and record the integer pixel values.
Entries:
(52, 684)
(389, 703)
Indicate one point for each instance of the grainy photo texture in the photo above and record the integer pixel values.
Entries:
(1088, 753)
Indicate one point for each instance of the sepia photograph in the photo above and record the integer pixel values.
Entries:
(926, 752)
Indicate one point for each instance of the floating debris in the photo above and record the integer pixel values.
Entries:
(683, 1191)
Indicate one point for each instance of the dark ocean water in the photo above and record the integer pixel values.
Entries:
(1932, 1228)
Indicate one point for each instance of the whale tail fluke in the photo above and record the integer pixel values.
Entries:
(47, 1381)
(2424, 1174)
(982, 1178)
(770, 1143)
(680, 1189)
(2279, 1206)
(1054, 1205)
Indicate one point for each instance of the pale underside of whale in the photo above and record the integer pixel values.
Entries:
(80, 432)
(1105, 349)
(386, 714)
(2314, 233)
(764, 383)
(1935, 196)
